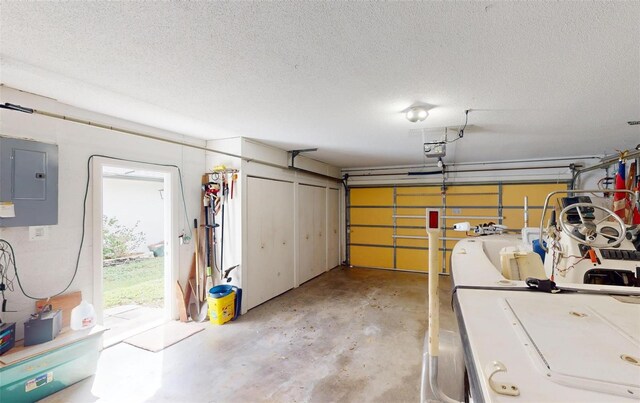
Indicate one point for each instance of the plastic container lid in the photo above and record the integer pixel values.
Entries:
(220, 291)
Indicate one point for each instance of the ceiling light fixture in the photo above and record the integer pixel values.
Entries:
(417, 114)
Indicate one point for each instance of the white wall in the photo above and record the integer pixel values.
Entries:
(47, 266)
(133, 201)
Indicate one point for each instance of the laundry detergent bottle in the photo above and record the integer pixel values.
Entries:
(83, 316)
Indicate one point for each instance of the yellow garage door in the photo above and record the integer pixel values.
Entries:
(386, 224)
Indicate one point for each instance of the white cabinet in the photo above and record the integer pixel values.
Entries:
(270, 236)
(312, 227)
(333, 228)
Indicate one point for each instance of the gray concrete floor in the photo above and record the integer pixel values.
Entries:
(126, 320)
(349, 335)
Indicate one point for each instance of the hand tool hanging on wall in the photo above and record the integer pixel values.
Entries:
(211, 191)
(211, 247)
(224, 190)
(197, 290)
(234, 177)
(198, 309)
(228, 271)
(224, 179)
(207, 236)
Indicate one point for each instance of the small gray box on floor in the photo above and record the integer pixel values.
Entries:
(28, 180)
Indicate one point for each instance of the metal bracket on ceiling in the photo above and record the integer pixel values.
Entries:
(294, 154)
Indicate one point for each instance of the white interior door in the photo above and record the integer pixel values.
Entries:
(312, 226)
(305, 232)
(270, 266)
(320, 231)
(333, 228)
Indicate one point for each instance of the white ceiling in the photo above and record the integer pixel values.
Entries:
(542, 79)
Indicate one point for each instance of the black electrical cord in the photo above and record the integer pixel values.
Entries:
(12, 261)
(75, 271)
(84, 219)
(184, 203)
(461, 131)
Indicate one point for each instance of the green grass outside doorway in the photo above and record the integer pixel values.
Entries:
(139, 282)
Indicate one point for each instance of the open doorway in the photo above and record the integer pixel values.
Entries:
(135, 270)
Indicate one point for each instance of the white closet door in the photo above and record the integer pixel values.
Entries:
(320, 231)
(306, 232)
(312, 224)
(333, 228)
(270, 226)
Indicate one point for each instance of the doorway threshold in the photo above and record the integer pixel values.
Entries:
(126, 321)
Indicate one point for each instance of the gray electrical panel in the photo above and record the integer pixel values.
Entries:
(28, 183)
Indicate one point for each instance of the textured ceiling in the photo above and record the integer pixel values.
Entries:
(542, 78)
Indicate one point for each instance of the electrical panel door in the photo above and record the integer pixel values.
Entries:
(28, 183)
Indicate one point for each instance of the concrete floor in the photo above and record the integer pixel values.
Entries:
(127, 320)
(347, 335)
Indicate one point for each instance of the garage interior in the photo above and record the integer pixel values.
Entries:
(291, 149)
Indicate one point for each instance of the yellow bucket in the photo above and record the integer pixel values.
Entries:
(221, 309)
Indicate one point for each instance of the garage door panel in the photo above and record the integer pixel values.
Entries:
(412, 190)
(412, 210)
(372, 236)
(412, 259)
(410, 222)
(513, 200)
(369, 216)
(465, 200)
(453, 212)
(455, 189)
(371, 196)
(473, 195)
(513, 194)
(461, 201)
(371, 256)
(415, 259)
(412, 232)
(418, 243)
(419, 202)
(419, 196)
(515, 219)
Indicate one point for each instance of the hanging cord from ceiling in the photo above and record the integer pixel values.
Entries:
(460, 131)
(7, 254)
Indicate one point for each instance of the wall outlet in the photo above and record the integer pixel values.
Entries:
(39, 233)
(457, 211)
